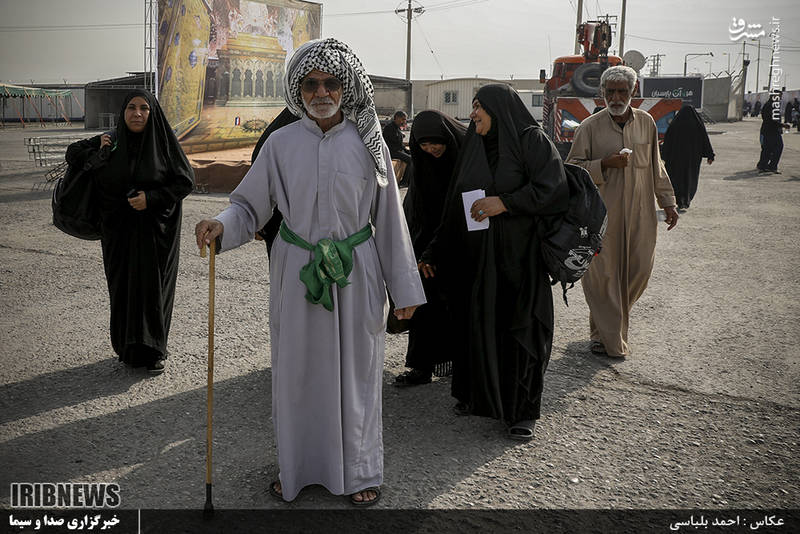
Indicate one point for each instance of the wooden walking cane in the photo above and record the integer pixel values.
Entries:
(208, 511)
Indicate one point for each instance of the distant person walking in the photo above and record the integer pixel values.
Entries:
(771, 135)
(393, 135)
(630, 184)
(685, 145)
(756, 108)
(140, 192)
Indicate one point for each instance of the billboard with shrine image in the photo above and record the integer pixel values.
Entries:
(221, 66)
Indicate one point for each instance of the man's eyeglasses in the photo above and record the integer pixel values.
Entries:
(310, 85)
(621, 92)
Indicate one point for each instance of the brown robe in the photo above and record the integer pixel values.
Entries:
(619, 275)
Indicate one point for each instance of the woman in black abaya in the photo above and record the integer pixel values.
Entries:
(685, 145)
(496, 281)
(139, 193)
(435, 142)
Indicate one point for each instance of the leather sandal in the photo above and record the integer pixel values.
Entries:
(370, 502)
(521, 431)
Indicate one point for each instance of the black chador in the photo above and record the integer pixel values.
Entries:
(430, 335)
(140, 248)
(685, 145)
(495, 280)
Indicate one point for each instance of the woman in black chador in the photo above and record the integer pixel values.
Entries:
(139, 192)
(497, 285)
(436, 140)
(685, 145)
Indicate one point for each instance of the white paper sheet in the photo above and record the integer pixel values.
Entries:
(469, 198)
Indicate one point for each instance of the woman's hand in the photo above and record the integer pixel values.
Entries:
(405, 313)
(139, 202)
(105, 140)
(487, 207)
(426, 269)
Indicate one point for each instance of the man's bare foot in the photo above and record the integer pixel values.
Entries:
(275, 489)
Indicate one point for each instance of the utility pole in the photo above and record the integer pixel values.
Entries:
(622, 30)
(771, 62)
(409, 13)
(657, 63)
(408, 43)
(758, 64)
(578, 23)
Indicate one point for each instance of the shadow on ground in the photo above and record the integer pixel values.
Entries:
(746, 175)
(164, 440)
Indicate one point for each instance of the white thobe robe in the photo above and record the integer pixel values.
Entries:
(327, 366)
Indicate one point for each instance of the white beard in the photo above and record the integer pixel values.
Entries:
(323, 108)
(616, 112)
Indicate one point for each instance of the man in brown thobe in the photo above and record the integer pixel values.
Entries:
(628, 183)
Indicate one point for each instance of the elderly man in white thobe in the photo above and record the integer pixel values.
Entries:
(343, 242)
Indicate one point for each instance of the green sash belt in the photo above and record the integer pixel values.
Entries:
(332, 263)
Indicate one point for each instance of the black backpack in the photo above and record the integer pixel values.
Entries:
(75, 208)
(576, 238)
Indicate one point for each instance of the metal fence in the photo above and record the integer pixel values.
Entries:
(49, 152)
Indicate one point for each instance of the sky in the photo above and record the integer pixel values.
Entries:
(77, 41)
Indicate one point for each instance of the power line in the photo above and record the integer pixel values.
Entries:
(573, 6)
(732, 43)
(441, 69)
(358, 13)
(435, 7)
(69, 27)
(454, 4)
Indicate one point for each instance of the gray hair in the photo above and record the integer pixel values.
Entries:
(619, 73)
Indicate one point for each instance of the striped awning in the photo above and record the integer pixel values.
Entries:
(8, 90)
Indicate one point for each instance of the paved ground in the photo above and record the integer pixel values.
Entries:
(704, 414)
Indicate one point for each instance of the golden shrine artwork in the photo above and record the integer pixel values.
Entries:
(221, 66)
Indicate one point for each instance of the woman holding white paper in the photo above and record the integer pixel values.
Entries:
(495, 278)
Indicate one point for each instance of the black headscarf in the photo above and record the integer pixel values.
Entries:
(495, 278)
(686, 137)
(685, 144)
(147, 161)
(141, 248)
(502, 144)
(431, 177)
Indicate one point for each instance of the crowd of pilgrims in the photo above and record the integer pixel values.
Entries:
(488, 321)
